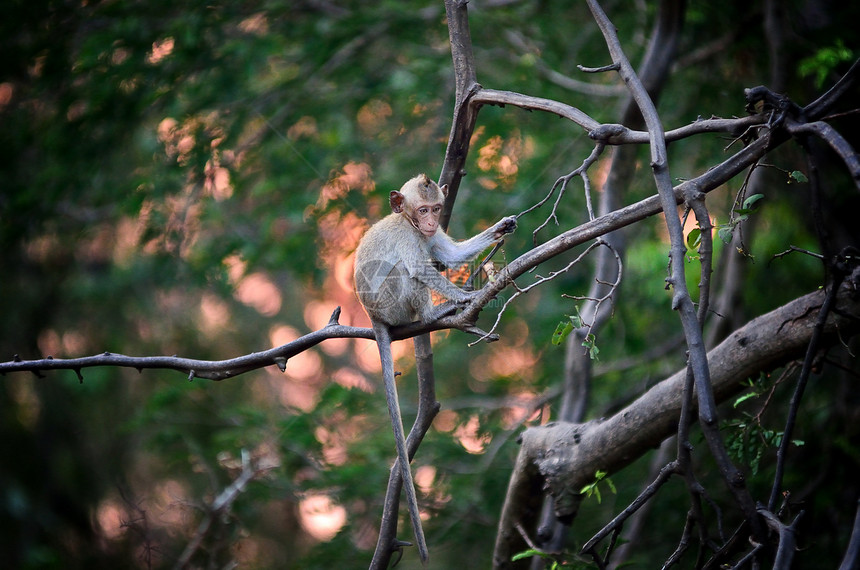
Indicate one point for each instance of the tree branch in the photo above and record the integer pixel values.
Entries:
(682, 302)
(220, 506)
(564, 457)
(223, 369)
(428, 407)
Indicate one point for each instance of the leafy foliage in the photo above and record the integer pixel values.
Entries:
(188, 178)
(823, 62)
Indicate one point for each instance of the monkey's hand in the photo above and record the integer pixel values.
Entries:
(504, 226)
(450, 307)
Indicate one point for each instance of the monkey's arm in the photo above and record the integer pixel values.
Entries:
(455, 253)
(430, 277)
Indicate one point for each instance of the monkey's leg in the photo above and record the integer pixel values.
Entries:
(383, 340)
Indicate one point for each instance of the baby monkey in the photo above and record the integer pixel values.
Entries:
(394, 274)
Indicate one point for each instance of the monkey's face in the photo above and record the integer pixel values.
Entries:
(420, 201)
(425, 218)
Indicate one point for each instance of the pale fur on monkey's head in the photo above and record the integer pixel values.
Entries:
(425, 187)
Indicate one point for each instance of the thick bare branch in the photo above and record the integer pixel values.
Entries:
(852, 552)
(833, 138)
(613, 134)
(620, 218)
(465, 115)
(787, 538)
(529, 103)
(566, 456)
(578, 366)
(681, 300)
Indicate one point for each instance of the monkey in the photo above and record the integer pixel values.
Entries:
(394, 275)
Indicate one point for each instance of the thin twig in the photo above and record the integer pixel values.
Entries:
(540, 281)
(221, 505)
(563, 181)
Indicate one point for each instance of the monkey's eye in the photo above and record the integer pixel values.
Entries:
(423, 211)
(437, 209)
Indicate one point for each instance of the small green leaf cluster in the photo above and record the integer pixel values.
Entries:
(565, 327)
(739, 215)
(593, 489)
(824, 61)
(747, 440)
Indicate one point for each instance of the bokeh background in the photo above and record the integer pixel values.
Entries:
(192, 178)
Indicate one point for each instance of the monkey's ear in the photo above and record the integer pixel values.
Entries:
(396, 200)
(444, 189)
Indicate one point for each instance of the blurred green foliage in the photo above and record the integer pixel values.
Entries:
(187, 178)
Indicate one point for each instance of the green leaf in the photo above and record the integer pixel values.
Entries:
(563, 329)
(589, 343)
(576, 320)
(611, 486)
(593, 489)
(797, 176)
(748, 203)
(528, 554)
(744, 398)
(694, 238)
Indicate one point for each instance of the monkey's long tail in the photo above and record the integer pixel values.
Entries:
(383, 341)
